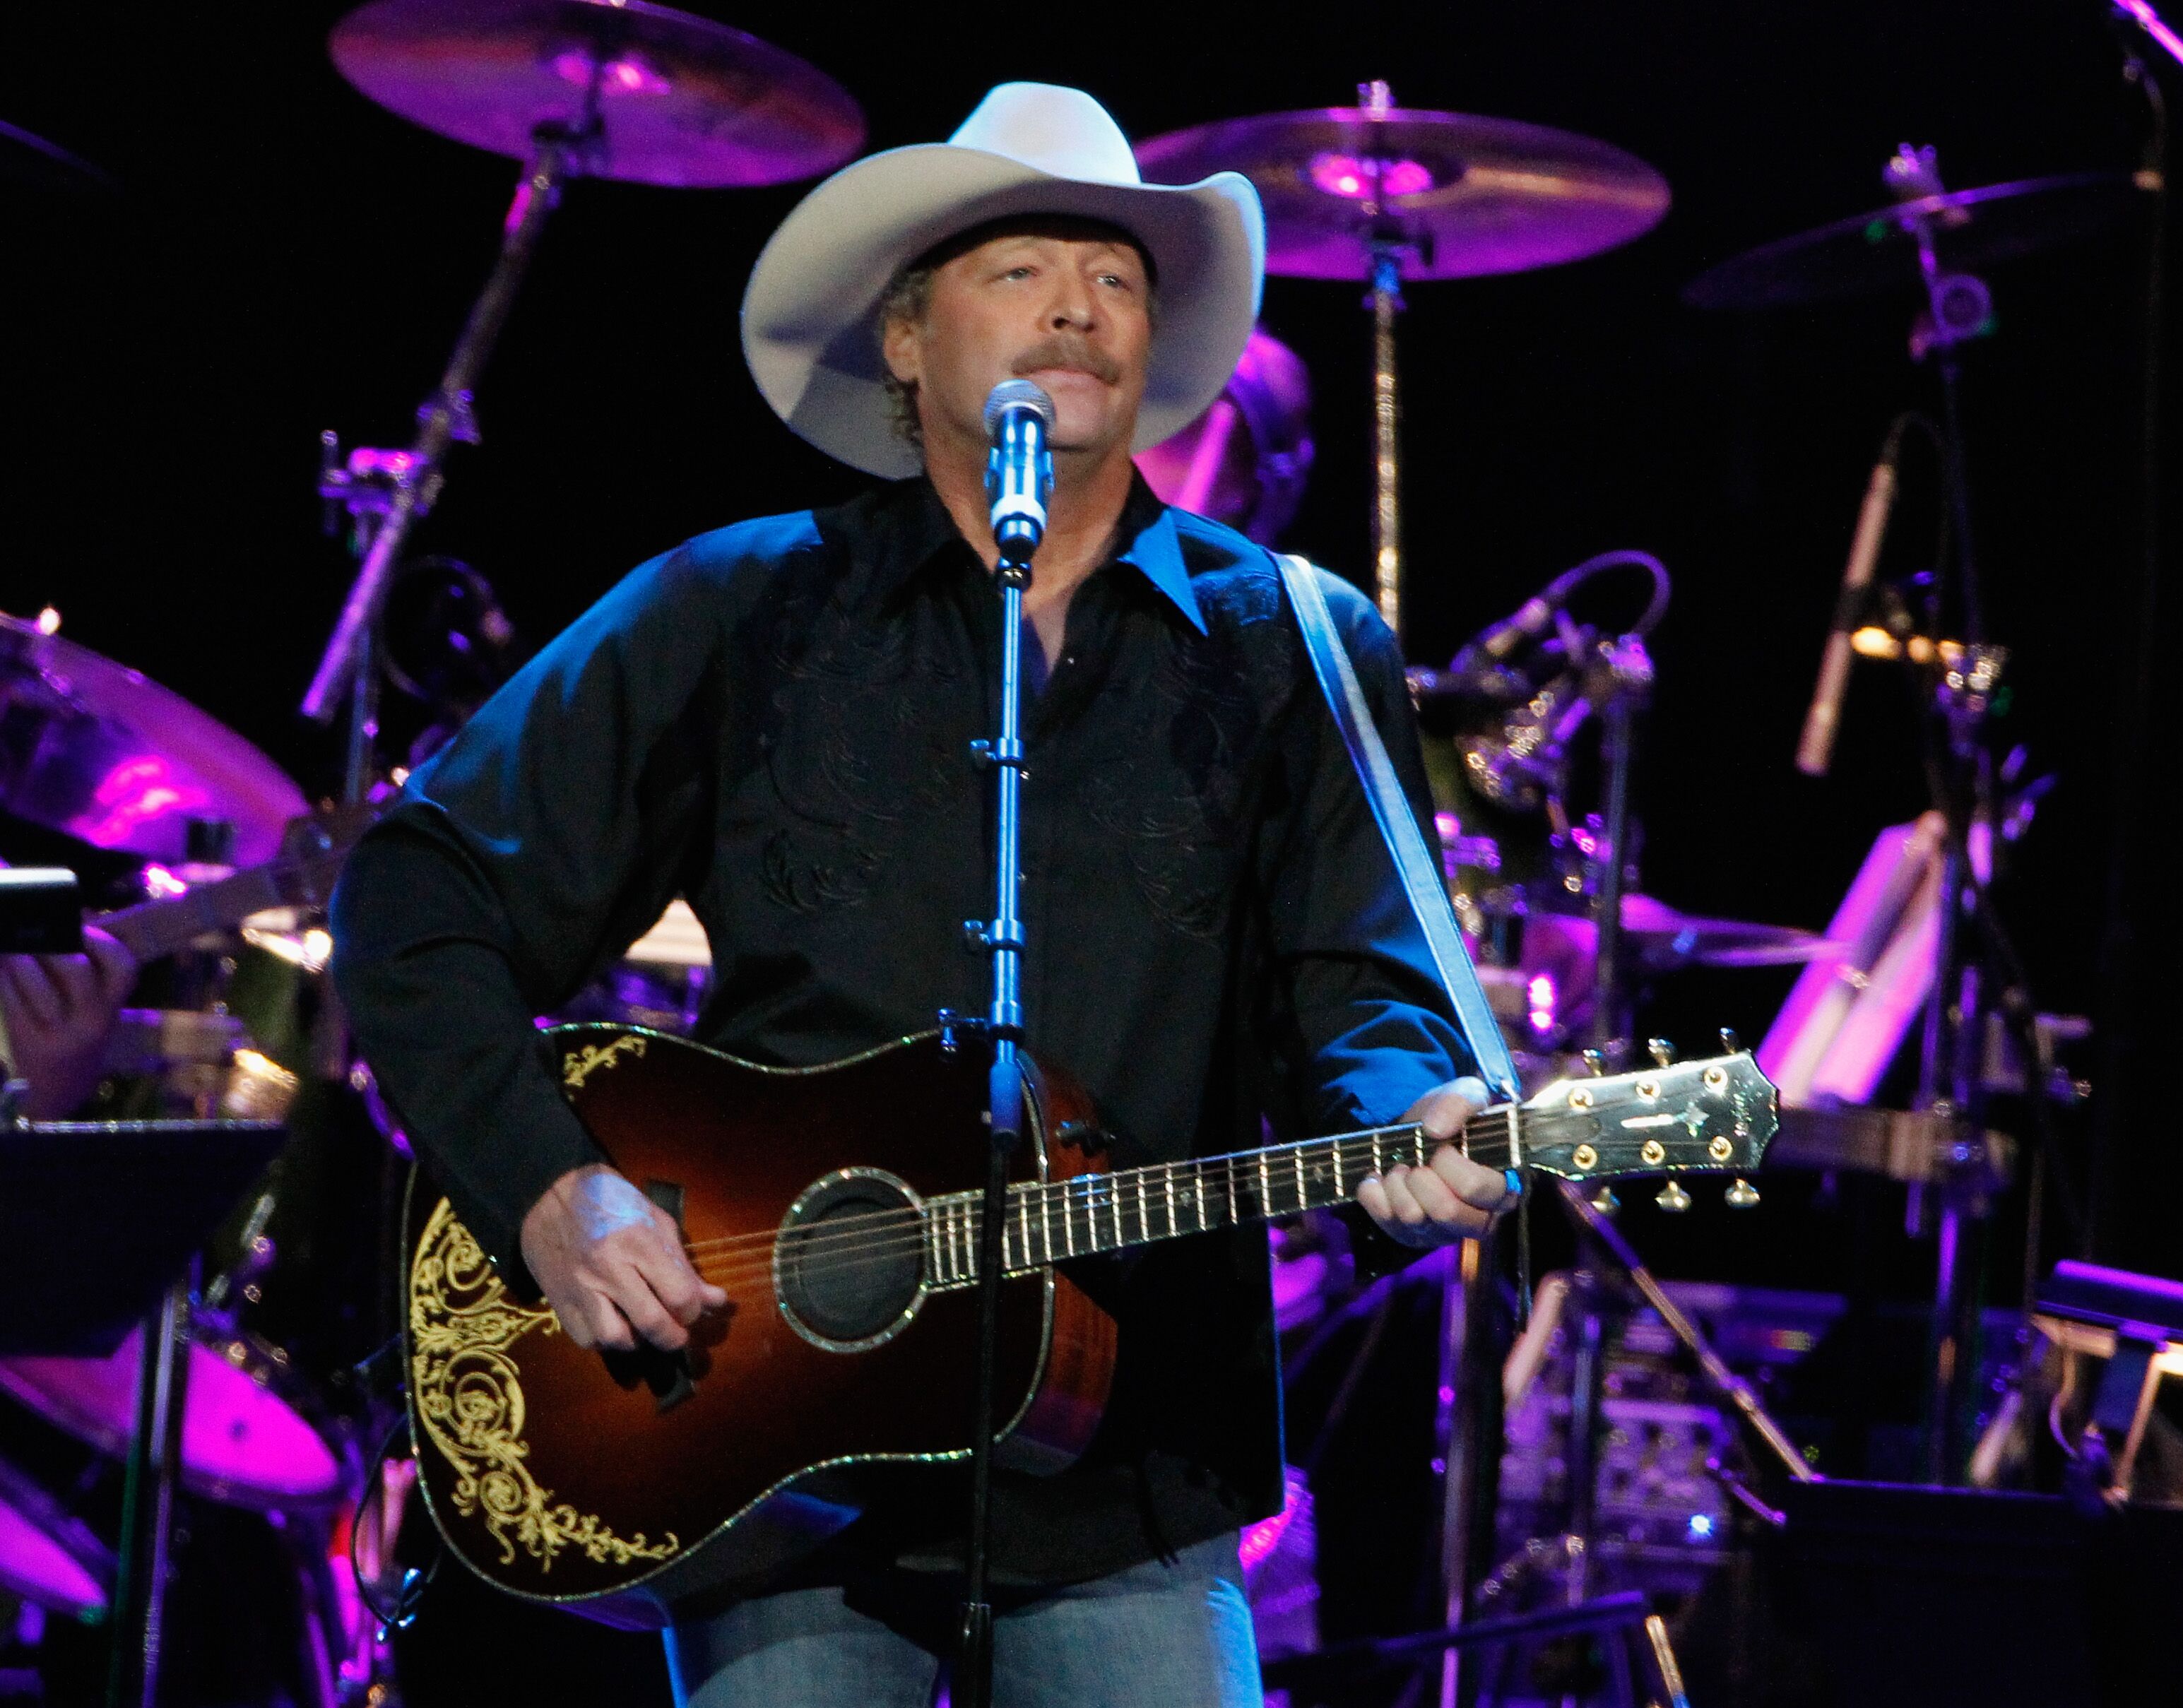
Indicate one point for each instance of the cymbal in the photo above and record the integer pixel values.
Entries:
(1877, 251)
(1458, 195)
(93, 750)
(680, 101)
(1662, 938)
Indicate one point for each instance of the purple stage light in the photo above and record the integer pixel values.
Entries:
(1347, 175)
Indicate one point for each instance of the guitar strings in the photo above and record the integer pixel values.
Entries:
(880, 1236)
(1280, 1160)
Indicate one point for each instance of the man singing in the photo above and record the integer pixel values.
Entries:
(773, 721)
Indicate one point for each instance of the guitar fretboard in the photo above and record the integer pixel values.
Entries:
(1050, 1221)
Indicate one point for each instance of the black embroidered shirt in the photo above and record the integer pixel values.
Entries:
(773, 721)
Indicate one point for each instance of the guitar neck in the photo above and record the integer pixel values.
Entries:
(153, 928)
(1048, 1222)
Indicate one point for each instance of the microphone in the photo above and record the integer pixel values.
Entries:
(1019, 467)
(1533, 617)
(1815, 747)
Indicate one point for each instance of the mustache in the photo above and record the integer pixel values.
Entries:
(1063, 351)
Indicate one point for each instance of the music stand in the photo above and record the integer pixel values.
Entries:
(97, 1217)
(100, 1223)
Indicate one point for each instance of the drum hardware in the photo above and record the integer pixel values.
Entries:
(634, 92)
(1637, 1486)
(2135, 1323)
(1930, 240)
(1389, 197)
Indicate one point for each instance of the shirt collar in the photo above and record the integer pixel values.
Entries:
(925, 530)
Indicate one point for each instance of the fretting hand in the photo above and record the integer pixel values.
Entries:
(59, 1010)
(611, 1263)
(1452, 1198)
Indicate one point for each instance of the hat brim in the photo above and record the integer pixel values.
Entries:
(810, 321)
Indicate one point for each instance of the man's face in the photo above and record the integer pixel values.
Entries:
(1065, 308)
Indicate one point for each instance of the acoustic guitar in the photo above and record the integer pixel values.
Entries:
(838, 1207)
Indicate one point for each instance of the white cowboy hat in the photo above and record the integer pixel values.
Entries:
(811, 329)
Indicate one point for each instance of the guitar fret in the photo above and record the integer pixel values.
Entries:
(1303, 1196)
(1339, 1191)
(1114, 1202)
(1023, 1220)
(931, 1247)
(1265, 1188)
(1068, 1229)
(1045, 1220)
(1229, 1168)
(1171, 1229)
(1197, 1169)
(1378, 1167)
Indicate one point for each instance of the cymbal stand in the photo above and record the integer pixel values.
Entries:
(1959, 308)
(1385, 287)
(409, 481)
(138, 1625)
(1387, 422)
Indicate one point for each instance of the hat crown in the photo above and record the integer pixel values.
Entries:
(1058, 131)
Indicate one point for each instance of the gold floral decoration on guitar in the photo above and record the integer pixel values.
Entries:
(469, 1400)
(578, 1065)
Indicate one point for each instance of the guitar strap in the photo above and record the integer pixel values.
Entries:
(1421, 872)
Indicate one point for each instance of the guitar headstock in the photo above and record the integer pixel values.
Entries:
(1709, 1117)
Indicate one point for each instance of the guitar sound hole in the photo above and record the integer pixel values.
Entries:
(850, 1259)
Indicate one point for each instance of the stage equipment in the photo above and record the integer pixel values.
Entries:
(78, 1259)
(1246, 460)
(98, 751)
(573, 88)
(850, 1249)
(1386, 195)
(1815, 750)
(1521, 690)
(1914, 919)
(1898, 247)
(48, 1557)
(1019, 417)
(32, 162)
(2135, 1323)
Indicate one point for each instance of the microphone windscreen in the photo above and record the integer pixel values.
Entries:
(1011, 394)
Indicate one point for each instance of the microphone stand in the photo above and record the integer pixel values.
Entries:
(1002, 939)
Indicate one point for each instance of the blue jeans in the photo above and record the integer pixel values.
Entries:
(1154, 1636)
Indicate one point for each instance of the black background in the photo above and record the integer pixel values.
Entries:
(284, 257)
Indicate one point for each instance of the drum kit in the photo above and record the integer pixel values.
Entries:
(202, 824)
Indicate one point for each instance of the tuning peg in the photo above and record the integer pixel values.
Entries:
(1596, 1060)
(1741, 1194)
(1604, 1200)
(1673, 1199)
(1662, 1052)
(1730, 1042)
